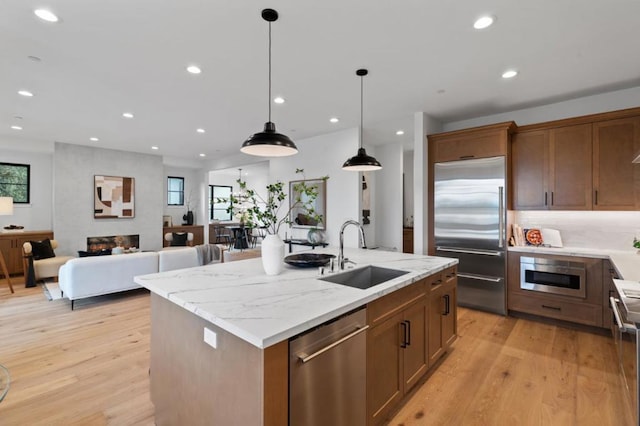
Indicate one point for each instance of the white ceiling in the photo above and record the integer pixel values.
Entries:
(108, 57)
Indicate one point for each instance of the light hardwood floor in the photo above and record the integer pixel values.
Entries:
(90, 367)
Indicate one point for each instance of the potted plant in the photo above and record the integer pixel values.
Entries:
(271, 213)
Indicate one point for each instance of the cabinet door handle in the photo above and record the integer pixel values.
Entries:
(596, 196)
(545, 198)
(466, 157)
(403, 324)
(551, 197)
(555, 308)
(436, 282)
(408, 332)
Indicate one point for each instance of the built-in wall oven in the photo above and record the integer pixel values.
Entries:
(626, 339)
(553, 276)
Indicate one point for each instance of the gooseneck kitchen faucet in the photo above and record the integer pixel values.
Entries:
(341, 259)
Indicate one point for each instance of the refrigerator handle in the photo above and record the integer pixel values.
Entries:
(501, 216)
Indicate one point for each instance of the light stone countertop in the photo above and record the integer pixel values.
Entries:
(263, 310)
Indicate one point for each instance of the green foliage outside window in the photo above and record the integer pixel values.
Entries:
(14, 182)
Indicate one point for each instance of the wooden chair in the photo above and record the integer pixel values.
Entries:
(4, 271)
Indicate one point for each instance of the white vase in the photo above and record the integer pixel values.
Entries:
(272, 254)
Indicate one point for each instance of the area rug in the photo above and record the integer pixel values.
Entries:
(51, 290)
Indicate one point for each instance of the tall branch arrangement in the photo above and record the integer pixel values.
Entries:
(255, 211)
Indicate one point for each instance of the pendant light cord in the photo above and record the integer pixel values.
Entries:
(269, 100)
(361, 107)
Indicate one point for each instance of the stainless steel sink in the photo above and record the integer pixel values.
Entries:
(364, 278)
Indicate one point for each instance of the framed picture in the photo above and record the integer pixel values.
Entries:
(114, 197)
(298, 215)
(167, 221)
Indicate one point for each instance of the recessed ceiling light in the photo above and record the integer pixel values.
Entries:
(203, 155)
(278, 100)
(194, 69)
(16, 127)
(154, 147)
(26, 93)
(400, 132)
(46, 15)
(334, 119)
(509, 74)
(94, 139)
(200, 130)
(484, 22)
(127, 115)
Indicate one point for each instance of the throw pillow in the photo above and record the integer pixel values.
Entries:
(42, 249)
(179, 239)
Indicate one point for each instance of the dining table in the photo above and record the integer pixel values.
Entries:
(240, 236)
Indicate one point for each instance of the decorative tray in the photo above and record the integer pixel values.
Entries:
(308, 260)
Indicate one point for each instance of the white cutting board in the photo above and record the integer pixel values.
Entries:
(551, 237)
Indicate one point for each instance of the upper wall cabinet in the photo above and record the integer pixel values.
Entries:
(616, 181)
(479, 142)
(530, 160)
(570, 167)
(585, 166)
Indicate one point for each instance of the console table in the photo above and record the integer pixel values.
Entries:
(11, 247)
(292, 242)
(196, 230)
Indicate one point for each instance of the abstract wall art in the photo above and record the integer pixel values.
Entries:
(114, 197)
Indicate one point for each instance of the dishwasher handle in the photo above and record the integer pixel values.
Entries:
(306, 358)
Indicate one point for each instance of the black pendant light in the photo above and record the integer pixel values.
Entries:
(269, 143)
(361, 162)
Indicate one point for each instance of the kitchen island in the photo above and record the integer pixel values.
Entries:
(220, 333)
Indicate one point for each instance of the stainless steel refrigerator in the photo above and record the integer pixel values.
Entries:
(469, 224)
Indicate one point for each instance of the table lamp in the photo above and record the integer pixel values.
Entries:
(6, 209)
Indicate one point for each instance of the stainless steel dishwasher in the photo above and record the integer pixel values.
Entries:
(327, 373)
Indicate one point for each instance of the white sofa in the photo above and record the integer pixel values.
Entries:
(177, 258)
(97, 275)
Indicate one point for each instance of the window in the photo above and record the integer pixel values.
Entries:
(14, 182)
(218, 211)
(175, 191)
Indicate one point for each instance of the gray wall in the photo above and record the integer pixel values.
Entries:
(74, 167)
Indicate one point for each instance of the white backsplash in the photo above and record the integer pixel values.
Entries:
(594, 229)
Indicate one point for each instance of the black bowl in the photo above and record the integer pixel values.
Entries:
(308, 260)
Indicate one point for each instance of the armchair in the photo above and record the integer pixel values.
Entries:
(43, 268)
(179, 240)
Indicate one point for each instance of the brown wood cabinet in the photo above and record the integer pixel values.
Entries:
(478, 142)
(11, 247)
(407, 240)
(577, 164)
(442, 313)
(616, 181)
(196, 230)
(530, 160)
(396, 348)
(608, 290)
(398, 343)
(570, 167)
(588, 310)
